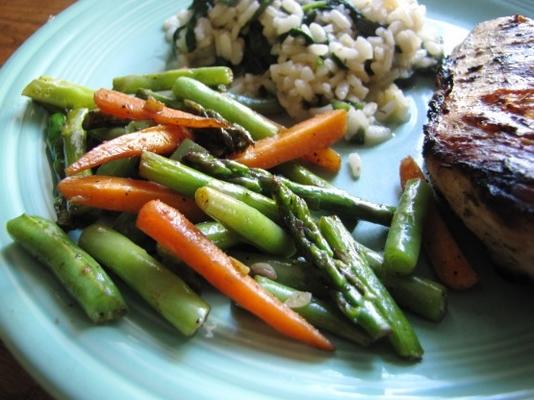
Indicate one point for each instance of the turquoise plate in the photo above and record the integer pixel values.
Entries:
(484, 346)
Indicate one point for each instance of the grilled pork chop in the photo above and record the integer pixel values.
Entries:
(479, 140)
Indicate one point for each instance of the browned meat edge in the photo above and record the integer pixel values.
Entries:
(508, 192)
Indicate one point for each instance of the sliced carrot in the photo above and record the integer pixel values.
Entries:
(304, 138)
(328, 159)
(450, 264)
(128, 107)
(409, 170)
(157, 139)
(123, 194)
(174, 232)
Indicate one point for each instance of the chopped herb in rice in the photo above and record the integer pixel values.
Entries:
(314, 55)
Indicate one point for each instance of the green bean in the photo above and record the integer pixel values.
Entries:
(422, 296)
(173, 174)
(163, 290)
(403, 242)
(125, 224)
(96, 119)
(75, 146)
(79, 273)
(54, 146)
(231, 110)
(221, 236)
(246, 221)
(124, 167)
(75, 137)
(167, 258)
(211, 76)
(105, 134)
(134, 126)
(186, 180)
(265, 106)
(59, 93)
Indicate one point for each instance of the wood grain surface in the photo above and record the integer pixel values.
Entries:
(18, 20)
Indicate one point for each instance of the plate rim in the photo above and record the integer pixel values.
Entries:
(17, 345)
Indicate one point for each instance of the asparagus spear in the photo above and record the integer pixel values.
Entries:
(403, 243)
(186, 147)
(350, 291)
(219, 141)
(330, 199)
(422, 296)
(246, 221)
(300, 174)
(231, 110)
(169, 101)
(59, 93)
(317, 312)
(296, 273)
(79, 273)
(163, 290)
(402, 337)
(211, 76)
(186, 181)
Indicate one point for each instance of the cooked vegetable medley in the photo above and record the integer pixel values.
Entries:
(135, 171)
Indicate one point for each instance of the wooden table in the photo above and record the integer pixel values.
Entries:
(18, 20)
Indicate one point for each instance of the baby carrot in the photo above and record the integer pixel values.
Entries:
(124, 106)
(123, 194)
(304, 138)
(157, 139)
(173, 231)
(327, 158)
